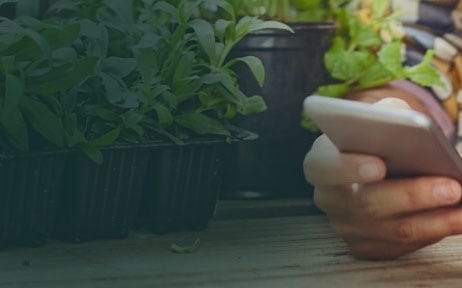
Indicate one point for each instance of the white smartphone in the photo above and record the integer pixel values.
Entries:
(408, 141)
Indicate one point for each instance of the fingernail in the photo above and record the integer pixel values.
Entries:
(369, 171)
(447, 193)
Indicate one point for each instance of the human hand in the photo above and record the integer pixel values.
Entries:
(381, 218)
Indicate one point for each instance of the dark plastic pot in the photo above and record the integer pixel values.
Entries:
(102, 201)
(8, 10)
(29, 193)
(182, 186)
(272, 165)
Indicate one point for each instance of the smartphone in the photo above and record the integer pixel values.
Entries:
(409, 142)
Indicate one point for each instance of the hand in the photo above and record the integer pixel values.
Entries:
(380, 218)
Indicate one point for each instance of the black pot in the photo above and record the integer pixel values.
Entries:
(8, 10)
(102, 201)
(182, 185)
(272, 165)
(29, 195)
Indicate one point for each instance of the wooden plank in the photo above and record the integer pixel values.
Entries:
(275, 252)
(251, 209)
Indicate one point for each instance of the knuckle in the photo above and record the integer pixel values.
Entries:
(414, 198)
(452, 224)
(404, 232)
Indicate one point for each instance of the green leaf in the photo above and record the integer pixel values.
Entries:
(71, 130)
(40, 40)
(14, 85)
(61, 36)
(424, 74)
(96, 38)
(120, 67)
(201, 124)
(215, 76)
(258, 25)
(175, 248)
(63, 5)
(367, 38)
(206, 38)
(43, 121)
(308, 123)
(312, 15)
(375, 75)
(104, 114)
(347, 65)
(210, 100)
(63, 78)
(251, 105)
(227, 111)
(225, 29)
(255, 65)
(117, 94)
(390, 58)
(184, 68)
(124, 11)
(64, 55)
(226, 6)
(107, 139)
(11, 118)
(164, 116)
(12, 122)
(147, 65)
(380, 7)
(333, 90)
(229, 92)
(92, 152)
(132, 120)
(167, 8)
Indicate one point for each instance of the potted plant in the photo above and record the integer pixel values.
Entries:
(33, 135)
(126, 90)
(271, 166)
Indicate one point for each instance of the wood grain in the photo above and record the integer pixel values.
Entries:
(276, 252)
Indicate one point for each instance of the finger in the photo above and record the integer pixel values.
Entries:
(417, 228)
(324, 165)
(331, 200)
(394, 197)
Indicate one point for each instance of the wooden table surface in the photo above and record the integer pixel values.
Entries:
(274, 252)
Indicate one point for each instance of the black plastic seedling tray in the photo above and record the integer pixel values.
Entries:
(182, 185)
(102, 201)
(29, 195)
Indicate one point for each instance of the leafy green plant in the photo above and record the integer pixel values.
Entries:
(367, 54)
(361, 58)
(284, 10)
(95, 73)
